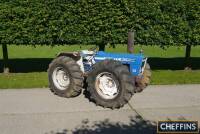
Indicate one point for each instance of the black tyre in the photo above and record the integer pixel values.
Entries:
(110, 84)
(143, 81)
(65, 77)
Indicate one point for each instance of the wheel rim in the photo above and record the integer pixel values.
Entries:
(106, 86)
(60, 78)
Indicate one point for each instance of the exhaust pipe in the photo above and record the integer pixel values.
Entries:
(130, 45)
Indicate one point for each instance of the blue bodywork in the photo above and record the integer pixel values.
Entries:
(133, 61)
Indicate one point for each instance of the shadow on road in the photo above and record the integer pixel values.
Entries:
(136, 125)
(41, 64)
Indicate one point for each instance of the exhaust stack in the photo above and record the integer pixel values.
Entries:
(130, 45)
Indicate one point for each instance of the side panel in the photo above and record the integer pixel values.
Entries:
(134, 61)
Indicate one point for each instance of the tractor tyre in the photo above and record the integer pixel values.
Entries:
(65, 77)
(110, 84)
(143, 81)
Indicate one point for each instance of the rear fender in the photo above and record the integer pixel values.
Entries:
(75, 56)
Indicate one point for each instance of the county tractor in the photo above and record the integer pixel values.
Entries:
(110, 79)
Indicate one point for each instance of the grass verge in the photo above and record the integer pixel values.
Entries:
(22, 51)
(166, 77)
(40, 80)
(23, 80)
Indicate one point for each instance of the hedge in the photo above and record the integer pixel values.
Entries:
(155, 22)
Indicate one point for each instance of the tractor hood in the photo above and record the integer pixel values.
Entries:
(134, 61)
(123, 57)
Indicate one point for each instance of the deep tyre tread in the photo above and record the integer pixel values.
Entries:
(144, 81)
(122, 75)
(76, 77)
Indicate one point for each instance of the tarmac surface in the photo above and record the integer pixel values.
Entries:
(38, 111)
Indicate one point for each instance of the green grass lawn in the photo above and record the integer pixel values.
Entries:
(23, 80)
(166, 77)
(39, 79)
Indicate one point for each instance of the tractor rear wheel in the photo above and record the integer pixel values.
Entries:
(143, 81)
(65, 77)
(110, 84)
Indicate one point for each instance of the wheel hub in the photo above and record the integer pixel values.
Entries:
(60, 78)
(106, 86)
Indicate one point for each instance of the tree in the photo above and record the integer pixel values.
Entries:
(166, 23)
(185, 23)
(5, 58)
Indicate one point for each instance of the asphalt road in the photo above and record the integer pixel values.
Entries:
(38, 111)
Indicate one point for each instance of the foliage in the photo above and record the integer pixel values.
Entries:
(156, 22)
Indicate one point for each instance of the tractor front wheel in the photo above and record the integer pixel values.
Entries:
(110, 84)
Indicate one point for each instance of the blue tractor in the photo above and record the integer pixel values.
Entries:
(111, 78)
